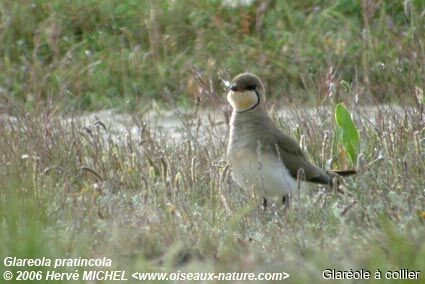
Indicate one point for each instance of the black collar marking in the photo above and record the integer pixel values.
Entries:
(254, 106)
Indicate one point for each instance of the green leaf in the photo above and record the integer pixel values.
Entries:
(349, 137)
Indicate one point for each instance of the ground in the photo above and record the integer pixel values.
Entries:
(152, 192)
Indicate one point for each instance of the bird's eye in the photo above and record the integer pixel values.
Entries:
(251, 87)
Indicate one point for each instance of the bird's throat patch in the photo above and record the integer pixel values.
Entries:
(242, 101)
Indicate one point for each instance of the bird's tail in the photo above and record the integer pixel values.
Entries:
(344, 173)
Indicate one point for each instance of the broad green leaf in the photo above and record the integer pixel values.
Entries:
(349, 137)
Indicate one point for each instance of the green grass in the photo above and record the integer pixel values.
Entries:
(92, 54)
(155, 203)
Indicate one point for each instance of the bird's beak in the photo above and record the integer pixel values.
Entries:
(234, 88)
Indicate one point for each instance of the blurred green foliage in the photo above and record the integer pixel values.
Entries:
(94, 54)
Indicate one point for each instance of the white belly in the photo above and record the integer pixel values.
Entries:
(265, 172)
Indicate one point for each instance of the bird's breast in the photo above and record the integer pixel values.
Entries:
(261, 170)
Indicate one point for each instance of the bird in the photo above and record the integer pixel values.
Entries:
(260, 155)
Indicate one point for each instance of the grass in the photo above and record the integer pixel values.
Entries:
(75, 190)
(125, 53)
(153, 202)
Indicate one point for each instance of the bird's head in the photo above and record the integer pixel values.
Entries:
(246, 93)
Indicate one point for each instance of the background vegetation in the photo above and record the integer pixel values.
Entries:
(153, 202)
(92, 54)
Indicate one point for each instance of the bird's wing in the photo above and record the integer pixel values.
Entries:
(294, 159)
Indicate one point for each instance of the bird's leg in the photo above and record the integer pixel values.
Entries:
(264, 203)
(285, 201)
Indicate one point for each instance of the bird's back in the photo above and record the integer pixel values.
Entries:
(257, 133)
